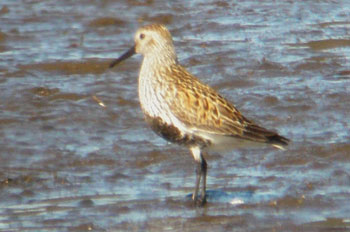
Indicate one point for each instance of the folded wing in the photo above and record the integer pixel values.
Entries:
(200, 107)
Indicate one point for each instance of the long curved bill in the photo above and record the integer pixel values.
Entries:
(125, 56)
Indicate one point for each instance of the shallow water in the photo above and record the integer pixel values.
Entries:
(76, 155)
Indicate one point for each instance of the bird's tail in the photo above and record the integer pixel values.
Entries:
(261, 134)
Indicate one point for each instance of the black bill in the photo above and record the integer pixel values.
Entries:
(125, 56)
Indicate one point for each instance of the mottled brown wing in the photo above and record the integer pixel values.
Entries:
(201, 107)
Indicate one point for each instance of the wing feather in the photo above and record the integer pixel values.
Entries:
(200, 107)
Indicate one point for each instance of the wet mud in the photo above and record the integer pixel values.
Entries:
(76, 154)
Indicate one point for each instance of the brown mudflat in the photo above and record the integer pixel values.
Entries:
(68, 163)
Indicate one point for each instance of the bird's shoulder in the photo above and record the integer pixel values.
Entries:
(199, 105)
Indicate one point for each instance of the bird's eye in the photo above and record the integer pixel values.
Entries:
(142, 36)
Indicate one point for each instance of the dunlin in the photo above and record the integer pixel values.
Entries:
(183, 110)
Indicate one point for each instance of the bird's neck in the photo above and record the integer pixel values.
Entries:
(163, 57)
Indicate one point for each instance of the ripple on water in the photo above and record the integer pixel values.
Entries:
(76, 155)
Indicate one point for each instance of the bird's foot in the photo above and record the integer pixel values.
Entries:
(199, 200)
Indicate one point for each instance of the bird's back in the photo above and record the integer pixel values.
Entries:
(197, 110)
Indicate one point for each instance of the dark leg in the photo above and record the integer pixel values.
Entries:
(198, 181)
(204, 180)
(201, 173)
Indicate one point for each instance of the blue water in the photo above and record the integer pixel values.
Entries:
(68, 163)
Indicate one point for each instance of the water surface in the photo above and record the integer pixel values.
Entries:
(76, 155)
